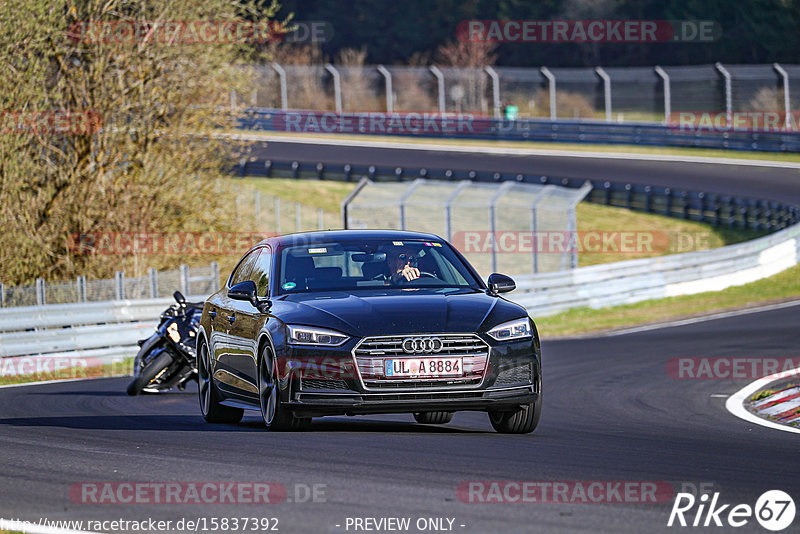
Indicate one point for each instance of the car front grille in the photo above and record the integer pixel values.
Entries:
(371, 352)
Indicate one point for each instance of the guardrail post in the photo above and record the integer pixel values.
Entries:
(81, 286)
(268, 168)
(320, 171)
(282, 81)
(551, 80)
(648, 199)
(606, 90)
(685, 201)
(667, 93)
(702, 198)
(337, 86)
(668, 202)
(184, 269)
(387, 76)
(119, 285)
(348, 173)
(214, 275)
(440, 84)
(153, 275)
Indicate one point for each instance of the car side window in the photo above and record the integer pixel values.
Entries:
(261, 272)
(245, 267)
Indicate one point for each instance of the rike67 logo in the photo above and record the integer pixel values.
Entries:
(774, 510)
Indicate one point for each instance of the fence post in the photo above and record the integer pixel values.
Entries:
(119, 285)
(2, 296)
(667, 93)
(787, 109)
(184, 279)
(337, 86)
(389, 96)
(81, 283)
(551, 80)
(153, 273)
(40, 295)
(282, 80)
(277, 215)
(495, 90)
(728, 93)
(606, 90)
(214, 275)
(440, 84)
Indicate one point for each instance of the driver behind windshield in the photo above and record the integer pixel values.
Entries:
(402, 264)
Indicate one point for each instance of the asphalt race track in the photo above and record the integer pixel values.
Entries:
(769, 183)
(611, 413)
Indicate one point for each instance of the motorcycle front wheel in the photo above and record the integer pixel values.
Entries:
(150, 372)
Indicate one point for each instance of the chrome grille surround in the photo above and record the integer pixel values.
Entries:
(369, 353)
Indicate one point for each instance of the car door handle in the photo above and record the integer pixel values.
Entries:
(231, 319)
(212, 314)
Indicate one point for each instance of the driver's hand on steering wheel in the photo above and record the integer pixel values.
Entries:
(408, 272)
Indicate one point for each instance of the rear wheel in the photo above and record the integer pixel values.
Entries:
(276, 417)
(212, 410)
(433, 418)
(150, 372)
(523, 420)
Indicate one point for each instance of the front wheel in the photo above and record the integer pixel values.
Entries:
(523, 420)
(433, 418)
(276, 417)
(210, 407)
(150, 372)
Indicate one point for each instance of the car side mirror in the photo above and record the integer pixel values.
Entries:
(247, 291)
(500, 283)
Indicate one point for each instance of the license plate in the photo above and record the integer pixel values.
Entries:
(422, 367)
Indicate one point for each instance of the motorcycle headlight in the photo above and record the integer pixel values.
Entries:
(306, 335)
(517, 329)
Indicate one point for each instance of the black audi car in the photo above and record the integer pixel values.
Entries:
(366, 322)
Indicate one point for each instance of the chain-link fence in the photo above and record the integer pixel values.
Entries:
(202, 280)
(618, 94)
(510, 227)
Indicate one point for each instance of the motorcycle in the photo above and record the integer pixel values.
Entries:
(168, 358)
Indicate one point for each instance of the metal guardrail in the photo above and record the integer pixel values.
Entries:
(569, 131)
(712, 208)
(630, 281)
(95, 332)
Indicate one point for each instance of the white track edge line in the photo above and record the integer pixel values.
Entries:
(517, 151)
(735, 403)
(34, 528)
(57, 381)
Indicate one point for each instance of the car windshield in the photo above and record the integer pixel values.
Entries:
(362, 264)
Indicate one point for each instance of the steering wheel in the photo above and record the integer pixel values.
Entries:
(427, 274)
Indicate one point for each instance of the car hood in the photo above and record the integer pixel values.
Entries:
(386, 312)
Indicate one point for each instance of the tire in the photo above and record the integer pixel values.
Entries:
(149, 372)
(520, 421)
(433, 418)
(210, 407)
(276, 417)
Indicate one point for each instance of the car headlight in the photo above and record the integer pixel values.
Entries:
(517, 329)
(305, 335)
